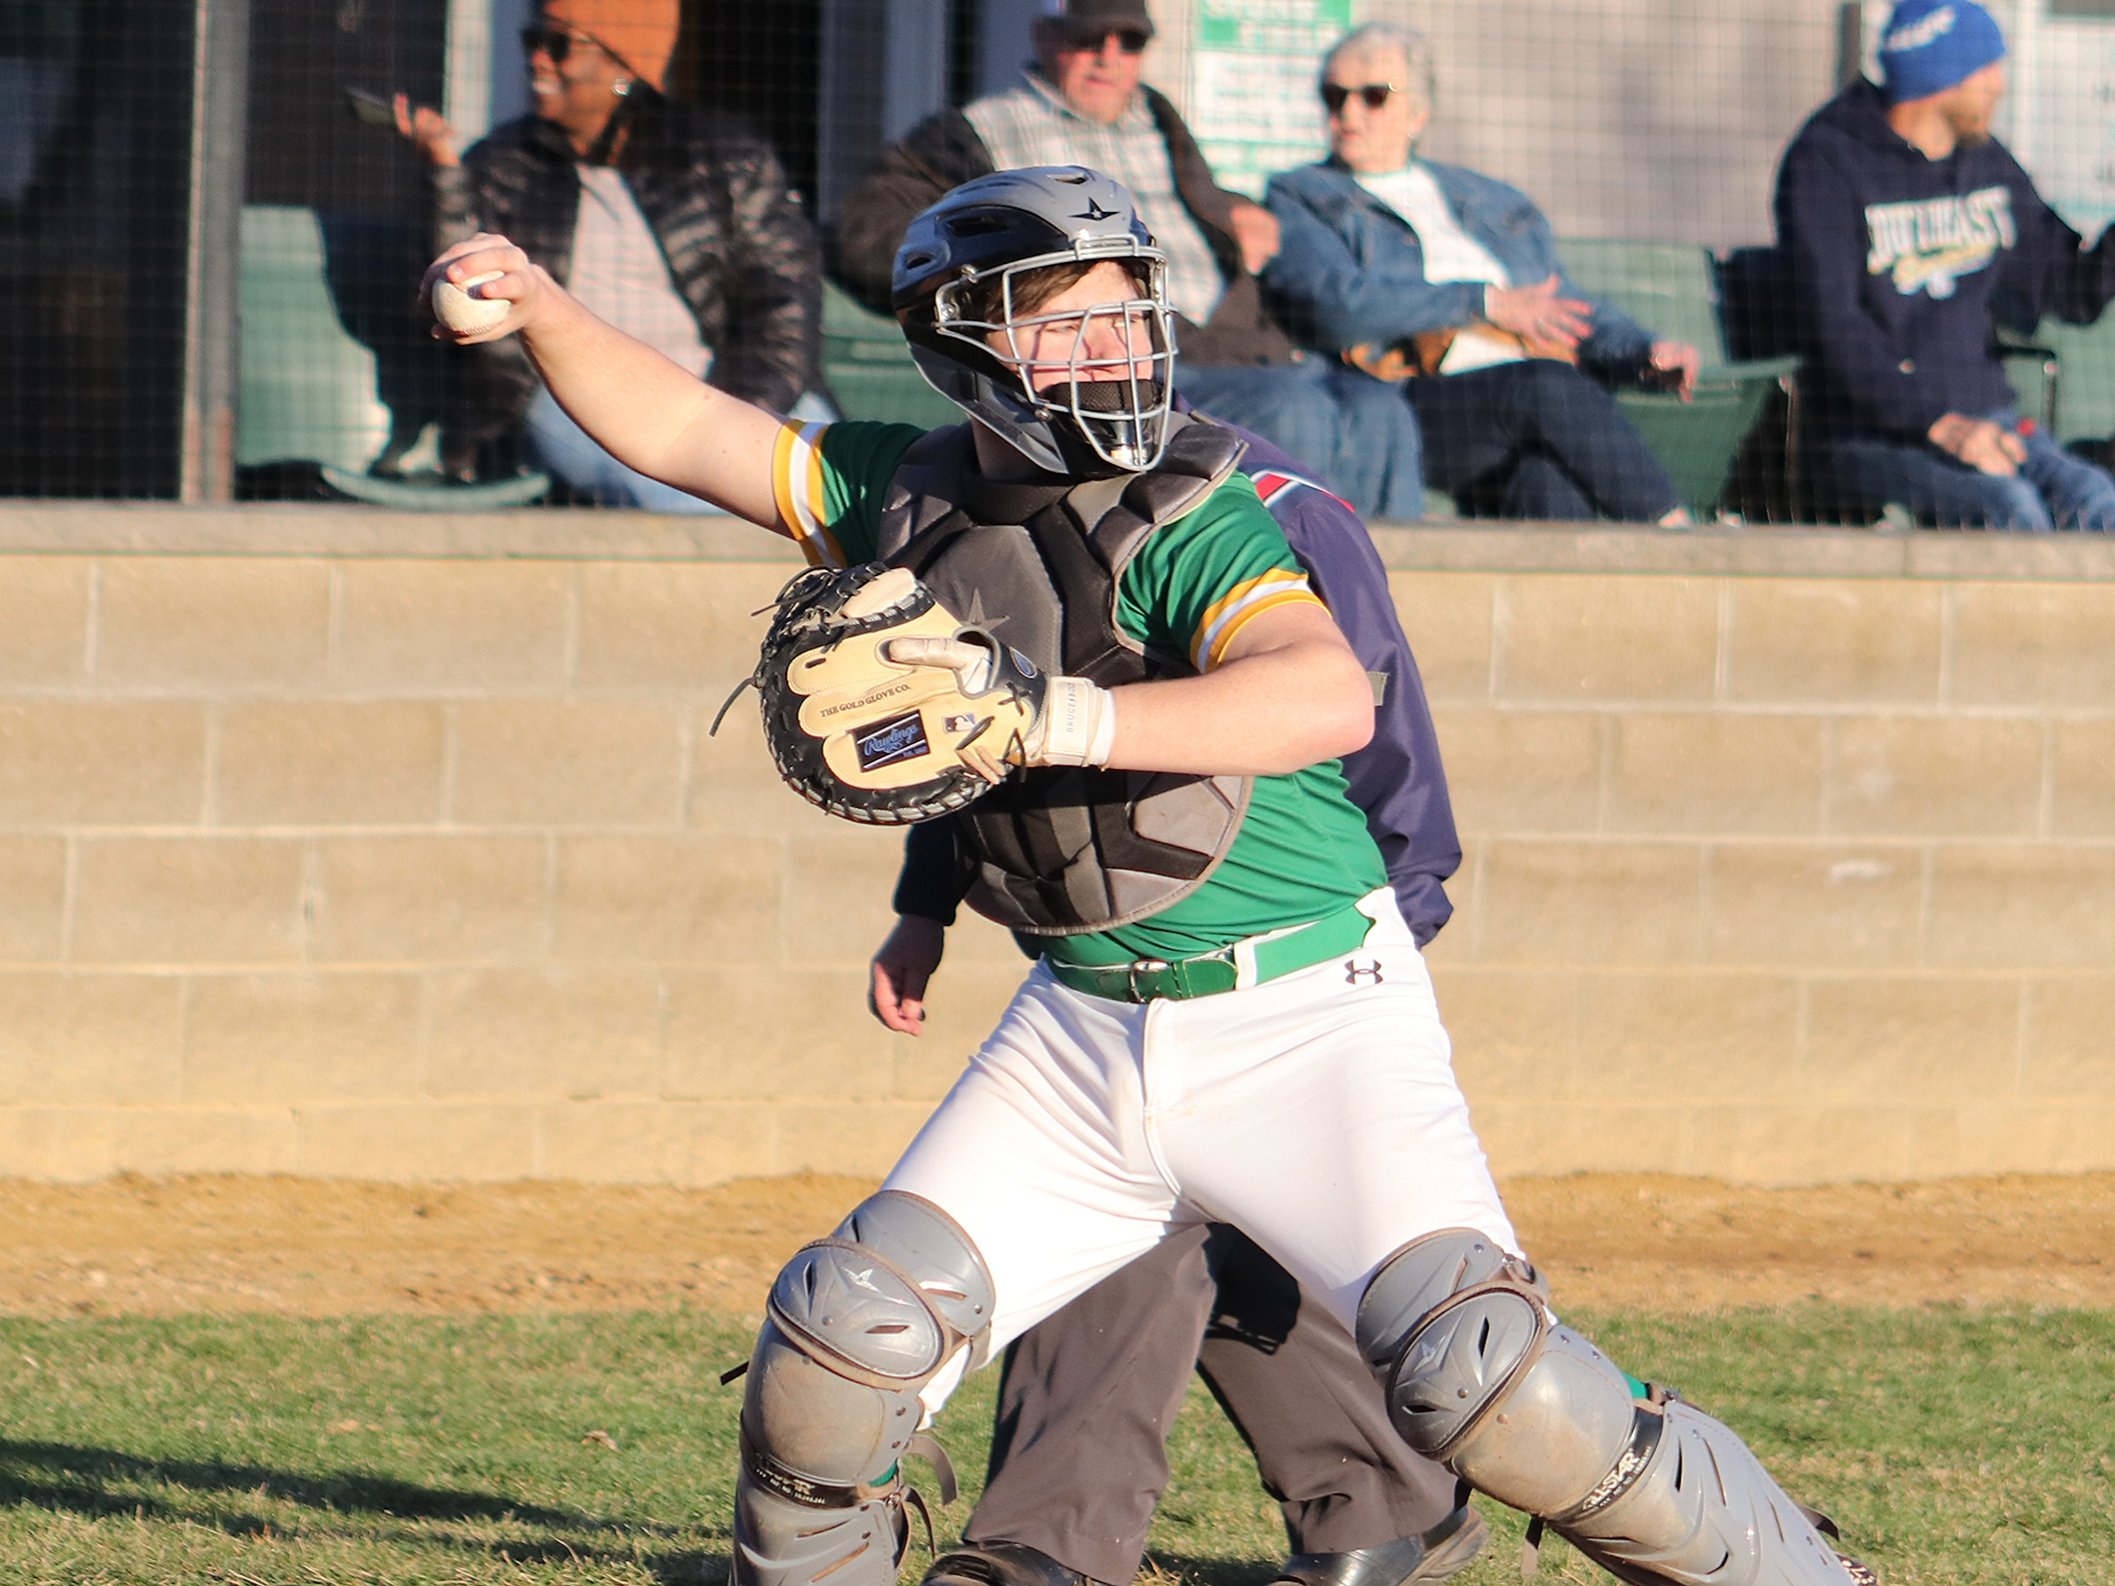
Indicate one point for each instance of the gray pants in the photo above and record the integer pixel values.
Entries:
(1078, 1457)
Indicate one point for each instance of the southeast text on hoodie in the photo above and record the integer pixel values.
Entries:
(1900, 265)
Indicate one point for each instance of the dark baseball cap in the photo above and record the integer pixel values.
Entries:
(1097, 19)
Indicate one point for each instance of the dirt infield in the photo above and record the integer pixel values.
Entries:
(134, 1246)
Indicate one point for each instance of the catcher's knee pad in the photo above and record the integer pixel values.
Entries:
(1479, 1377)
(856, 1326)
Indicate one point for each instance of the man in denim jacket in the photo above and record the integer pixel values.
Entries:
(1409, 268)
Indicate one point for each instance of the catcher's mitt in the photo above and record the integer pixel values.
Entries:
(878, 740)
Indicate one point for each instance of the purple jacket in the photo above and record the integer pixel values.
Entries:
(1396, 779)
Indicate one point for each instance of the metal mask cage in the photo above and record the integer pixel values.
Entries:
(1124, 419)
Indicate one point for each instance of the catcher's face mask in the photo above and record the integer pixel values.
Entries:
(1094, 358)
(1076, 381)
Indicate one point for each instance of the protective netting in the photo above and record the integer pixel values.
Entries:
(209, 242)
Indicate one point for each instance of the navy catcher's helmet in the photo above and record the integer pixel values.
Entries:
(954, 293)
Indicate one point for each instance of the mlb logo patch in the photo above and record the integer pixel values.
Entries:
(888, 742)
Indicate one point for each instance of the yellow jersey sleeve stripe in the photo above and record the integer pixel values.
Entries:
(797, 485)
(1234, 610)
(1247, 614)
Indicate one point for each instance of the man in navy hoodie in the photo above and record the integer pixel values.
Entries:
(1904, 222)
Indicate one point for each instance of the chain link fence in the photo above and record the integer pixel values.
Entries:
(212, 225)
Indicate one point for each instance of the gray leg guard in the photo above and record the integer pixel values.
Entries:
(857, 1324)
(1480, 1378)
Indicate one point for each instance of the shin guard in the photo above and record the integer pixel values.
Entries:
(1479, 1377)
(856, 1326)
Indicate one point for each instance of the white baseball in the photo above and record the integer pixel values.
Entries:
(458, 306)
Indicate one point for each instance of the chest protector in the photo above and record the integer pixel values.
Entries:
(1058, 850)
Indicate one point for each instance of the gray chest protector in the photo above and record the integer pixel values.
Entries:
(1056, 851)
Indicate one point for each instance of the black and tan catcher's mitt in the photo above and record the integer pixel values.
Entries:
(874, 737)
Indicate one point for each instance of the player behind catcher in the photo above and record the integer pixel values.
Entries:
(1228, 1020)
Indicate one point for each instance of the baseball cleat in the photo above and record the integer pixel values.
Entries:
(1001, 1564)
(1444, 1550)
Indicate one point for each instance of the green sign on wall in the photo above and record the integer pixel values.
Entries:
(1252, 98)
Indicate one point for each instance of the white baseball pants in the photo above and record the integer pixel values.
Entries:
(1317, 1112)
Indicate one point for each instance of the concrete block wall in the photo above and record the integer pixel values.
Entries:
(338, 851)
(336, 843)
(1788, 859)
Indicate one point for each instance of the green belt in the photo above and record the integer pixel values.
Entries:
(1208, 974)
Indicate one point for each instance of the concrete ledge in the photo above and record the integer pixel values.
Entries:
(1764, 552)
(91, 528)
(572, 534)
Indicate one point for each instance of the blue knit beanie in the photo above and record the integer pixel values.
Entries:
(1929, 45)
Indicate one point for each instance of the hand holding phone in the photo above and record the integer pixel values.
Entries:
(426, 128)
(376, 110)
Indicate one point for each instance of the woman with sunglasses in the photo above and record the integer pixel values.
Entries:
(673, 223)
(1407, 268)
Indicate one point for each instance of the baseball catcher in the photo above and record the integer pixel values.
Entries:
(1229, 1019)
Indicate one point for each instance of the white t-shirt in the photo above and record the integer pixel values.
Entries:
(619, 272)
(1451, 254)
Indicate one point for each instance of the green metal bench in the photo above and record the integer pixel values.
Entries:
(336, 374)
(869, 370)
(1672, 289)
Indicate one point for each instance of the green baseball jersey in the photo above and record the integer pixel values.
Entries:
(1303, 850)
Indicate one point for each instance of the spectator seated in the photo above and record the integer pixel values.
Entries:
(1448, 284)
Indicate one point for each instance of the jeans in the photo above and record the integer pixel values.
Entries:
(569, 453)
(1357, 435)
(1857, 476)
(1537, 439)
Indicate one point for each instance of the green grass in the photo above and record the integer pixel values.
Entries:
(1970, 1448)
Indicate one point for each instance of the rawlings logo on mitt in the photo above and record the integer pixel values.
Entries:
(882, 707)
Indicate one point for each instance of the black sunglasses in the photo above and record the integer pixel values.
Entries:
(1132, 41)
(1372, 95)
(554, 42)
